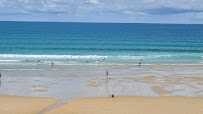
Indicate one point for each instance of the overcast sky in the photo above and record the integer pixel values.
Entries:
(123, 11)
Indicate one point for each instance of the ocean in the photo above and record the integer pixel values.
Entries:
(110, 43)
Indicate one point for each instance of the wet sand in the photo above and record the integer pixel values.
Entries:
(24, 105)
(132, 105)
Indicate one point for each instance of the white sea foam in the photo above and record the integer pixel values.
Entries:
(8, 60)
(49, 56)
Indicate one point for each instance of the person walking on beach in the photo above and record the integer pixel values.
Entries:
(107, 73)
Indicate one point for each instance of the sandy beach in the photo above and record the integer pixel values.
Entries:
(156, 90)
(24, 105)
(132, 105)
(104, 105)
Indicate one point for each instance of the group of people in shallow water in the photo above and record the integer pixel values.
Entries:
(52, 63)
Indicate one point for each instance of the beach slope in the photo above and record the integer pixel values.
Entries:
(132, 105)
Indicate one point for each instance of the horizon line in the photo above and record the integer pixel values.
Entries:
(104, 22)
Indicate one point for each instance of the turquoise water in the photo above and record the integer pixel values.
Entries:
(118, 43)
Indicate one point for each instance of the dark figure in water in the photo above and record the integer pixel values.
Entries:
(52, 64)
(0, 79)
(38, 61)
(104, 58)
(26, 60)
(97, 61)
(139, 63)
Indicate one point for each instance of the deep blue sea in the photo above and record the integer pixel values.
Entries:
(110, 43)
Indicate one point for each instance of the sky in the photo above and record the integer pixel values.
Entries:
(116, 11)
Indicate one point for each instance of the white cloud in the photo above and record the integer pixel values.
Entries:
(92, 7)
(94, 1)
(117, 6)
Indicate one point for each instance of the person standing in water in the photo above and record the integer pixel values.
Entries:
(52, 64)
(0, 79)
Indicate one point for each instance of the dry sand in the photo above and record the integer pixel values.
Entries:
(132, 105)
(23, 105)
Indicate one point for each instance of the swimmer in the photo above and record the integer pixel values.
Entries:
(104, 58)
(97, 61)
(38, 61)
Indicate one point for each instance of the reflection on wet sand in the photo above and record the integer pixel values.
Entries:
(94, 85)
(106, 86)
(11, 82)
(41, 90)
(160, 90)
(146, 81)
